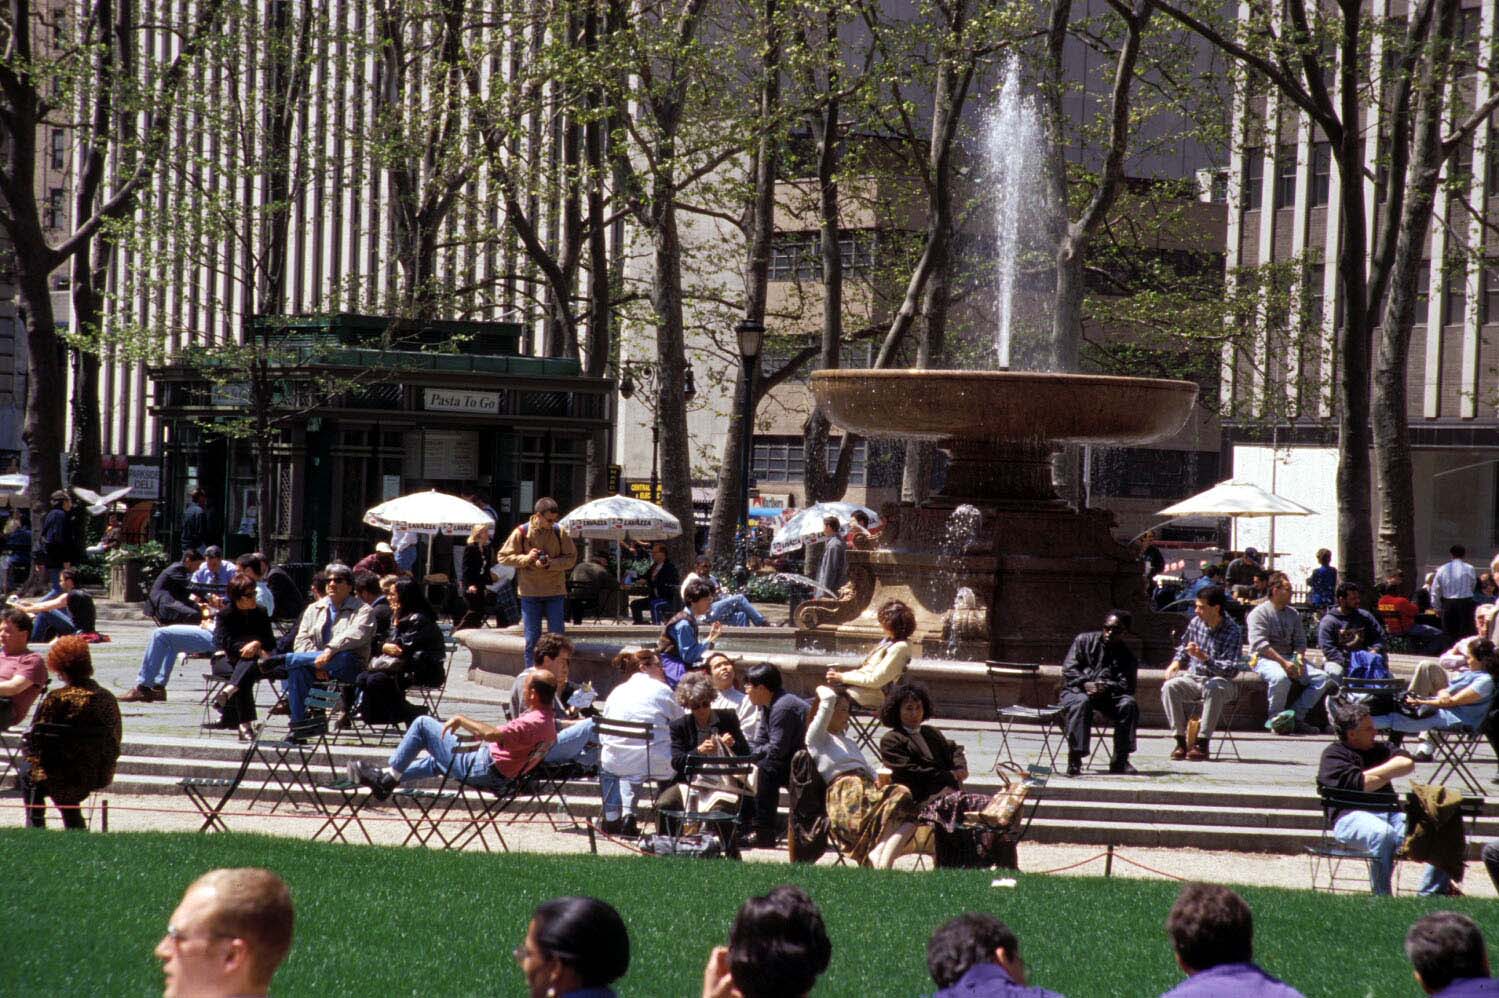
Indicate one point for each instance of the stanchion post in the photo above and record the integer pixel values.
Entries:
(1108, 861)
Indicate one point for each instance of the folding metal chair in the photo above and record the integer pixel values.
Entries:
(199, 788)
(548, 783)
(1454, 750)
(347, 800)
(1044, 716)
(427, 811)
(627, 731)
(864, 724)
(711, 769)
(290, 760)
(1328, 855)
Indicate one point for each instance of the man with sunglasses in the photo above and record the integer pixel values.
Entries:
(1099, 674)
(333, 641)
(542, 554)
(228, 936)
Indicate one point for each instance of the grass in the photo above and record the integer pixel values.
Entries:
(86, 911)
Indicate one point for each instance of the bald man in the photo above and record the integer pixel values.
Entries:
(231, 931)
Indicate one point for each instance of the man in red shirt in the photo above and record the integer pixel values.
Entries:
(23, 673)
(507, 752)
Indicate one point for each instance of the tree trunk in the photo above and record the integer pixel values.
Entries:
(671, 362)
(88, 314)
(46, 390)
(1394, 474)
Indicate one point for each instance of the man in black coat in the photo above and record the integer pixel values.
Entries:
(1099, 674)
(782, 730)
(59, 544)
(195, 521)
(171, 600)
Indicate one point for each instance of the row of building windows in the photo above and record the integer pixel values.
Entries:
(783, 459)
(797, 256)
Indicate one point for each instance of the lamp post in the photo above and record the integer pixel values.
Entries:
(751, 337)
(627, 391)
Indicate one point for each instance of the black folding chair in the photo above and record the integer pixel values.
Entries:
(291, 759)
(426, 812)
(200, 788)
(1328, 855)
(1454, 750)
(345, 799)
(626, 731)
(864, 724)
(1034, 712)
(707, 774)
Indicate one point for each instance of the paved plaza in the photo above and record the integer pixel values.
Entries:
(1271, 766)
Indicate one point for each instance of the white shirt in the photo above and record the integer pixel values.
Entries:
(640, 698)
(1454, 580)
(739, 702)
(692, 576)
(401, 539)
(834, 754)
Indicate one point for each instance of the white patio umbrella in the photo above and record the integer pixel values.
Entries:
(430, 512)
(806, 525)
(1235, 498)
(615, 518)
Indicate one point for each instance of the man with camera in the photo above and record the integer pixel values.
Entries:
(542, 554)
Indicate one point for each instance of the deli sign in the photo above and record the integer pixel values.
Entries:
(445, 400)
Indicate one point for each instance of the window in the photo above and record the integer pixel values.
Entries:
(59, 149)
(1467, 35)
(1312, 301)
(1454, 292)
(53, 214)
(1491, 169)
(1285, 176)
(1321, 173)
(1460, 172)
(797, 256)
(1491, 290)
(782, 459)
(1254, 178)
(1423, 292)
(1218, 189)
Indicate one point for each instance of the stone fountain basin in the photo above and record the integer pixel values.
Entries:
(1004, 406)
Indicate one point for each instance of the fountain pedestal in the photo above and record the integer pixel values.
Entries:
(1043, 570)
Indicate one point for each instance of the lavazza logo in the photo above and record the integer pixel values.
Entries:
(484, 403)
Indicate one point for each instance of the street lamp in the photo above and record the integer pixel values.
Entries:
(751, 338)
(627, 391)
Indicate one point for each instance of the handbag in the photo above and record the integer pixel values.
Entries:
(1004, 807)
(695, 846)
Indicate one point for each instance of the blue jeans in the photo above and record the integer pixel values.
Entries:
(55, 622)
(1280, 686)
(577, 744)
(425, 735)
(1381, 834)
(406, 557)
(619, 794)
(301, 667)
(1442, 720)
(165, 645)
(735, 611)
(532, 609)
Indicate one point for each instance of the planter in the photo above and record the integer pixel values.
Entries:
(125, 582)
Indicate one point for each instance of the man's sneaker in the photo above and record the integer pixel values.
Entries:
(378, 780)
(1283, 723)
(609, 826)
(137, 694)
(1424, 753)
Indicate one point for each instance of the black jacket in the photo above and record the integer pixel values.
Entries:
(684, 740)
(422, 649)
(170, 600)
(1092, 659)
(235, 628)
(666, 584)
(922, 773)
(381, 611)
(476, 560)
(57, 538)
(783, 730)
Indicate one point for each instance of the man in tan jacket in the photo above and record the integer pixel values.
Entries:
(542, 555)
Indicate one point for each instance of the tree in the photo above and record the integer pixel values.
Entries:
(92, 65)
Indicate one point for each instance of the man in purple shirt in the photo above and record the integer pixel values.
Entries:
(977, 956)
(1212, 932)
(507, 752)
(1449, 958)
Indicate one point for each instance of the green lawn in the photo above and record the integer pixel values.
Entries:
(85, 912)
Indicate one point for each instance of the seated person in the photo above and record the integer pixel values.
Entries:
(702, 731)
(413, 654)
(230, 932)
(778, 948)
(679, 646)
(664, 581)
(255, 565)
(333, 641)
(70, 612)
(1463, 704)
(574, 946)
(783, 722)
(592, 581)
(872, 823)
(163, 648)
(1212, 575)
(1099, 674)
(213, 574)
(1449, 957)
(577, 727)
(70, 769)
(23, 673)
(171, 600)
(1399, 617)
(242, 631)
(1348, 629)
(977, 954)
(885, 664)
(624, 764)
(1357, 761)
(859, 536)
(1203, 668)
(510, 750)
(732, 609)
(1277, 648)
(1212, 935)
(722, 671)
(367, 589)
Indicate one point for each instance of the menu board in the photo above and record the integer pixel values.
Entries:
(451, 454)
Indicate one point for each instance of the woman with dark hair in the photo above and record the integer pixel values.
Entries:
(871, 823)
(74, 739)
(933, 767)
(574, 946)
(414, 655)
(778, 948)
(478, 555)
(680, 646)
(242, 631)
(885, 664)
(1463, 704)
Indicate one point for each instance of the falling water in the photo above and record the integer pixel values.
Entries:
(1017, 159)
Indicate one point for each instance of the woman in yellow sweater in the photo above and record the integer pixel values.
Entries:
(885, 664)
